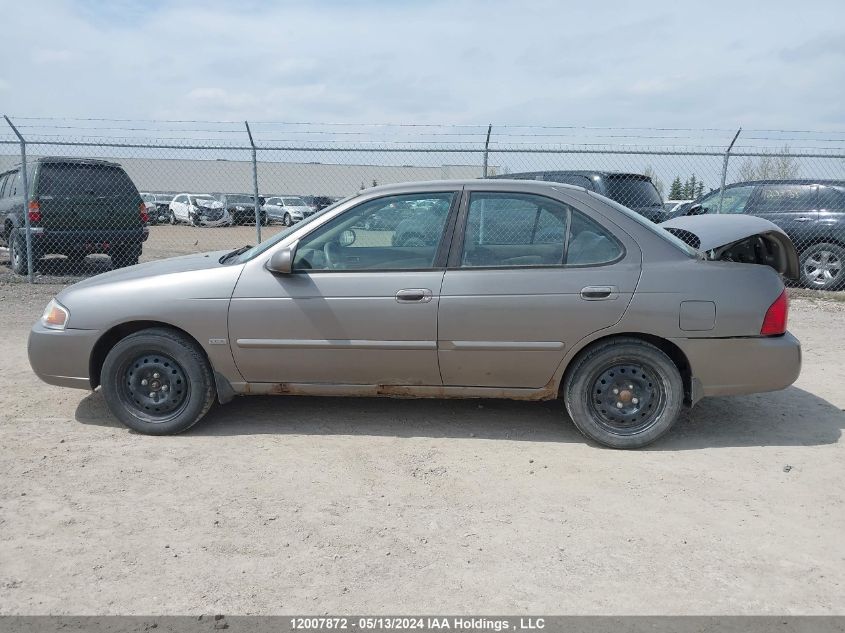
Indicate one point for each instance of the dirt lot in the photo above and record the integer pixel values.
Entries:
(282, 505)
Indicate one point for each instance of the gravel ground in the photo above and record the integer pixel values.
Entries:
(283, 505)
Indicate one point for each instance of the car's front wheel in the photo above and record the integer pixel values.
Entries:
(172, 218)
(623, 393)
(158, 382)
(822, 267)
(286, 220)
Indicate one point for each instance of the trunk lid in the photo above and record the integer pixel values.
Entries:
(738, 238)
(78, 195)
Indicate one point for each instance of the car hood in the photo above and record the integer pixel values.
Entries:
(186, 263)
(209, 204)
(718, 237)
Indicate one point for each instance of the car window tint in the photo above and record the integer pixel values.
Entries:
(390, 233)
(832, 198)
(632, 191)
(735, 200)
(512, 230)
(80, 179)
(784, 198)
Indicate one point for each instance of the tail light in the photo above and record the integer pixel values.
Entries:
(34, 211)
(142, 210)
(774, 322)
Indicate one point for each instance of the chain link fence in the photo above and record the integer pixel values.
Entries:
(100, 194)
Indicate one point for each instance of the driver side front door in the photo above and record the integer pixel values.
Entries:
(360, 307)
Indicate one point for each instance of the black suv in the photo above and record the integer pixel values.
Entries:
(812, 212)
(76, 207)
(635, 191)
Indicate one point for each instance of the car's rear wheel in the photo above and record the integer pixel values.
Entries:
(158, 382)
(822, 267)
(17, 253)
(623, 393)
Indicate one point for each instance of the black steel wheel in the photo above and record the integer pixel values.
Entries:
(623, 392)
(157, 382)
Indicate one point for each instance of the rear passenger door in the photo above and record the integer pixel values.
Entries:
(528, 277)
(793, 207)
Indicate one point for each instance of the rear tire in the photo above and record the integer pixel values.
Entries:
(157, 382)
(17, 253)
(623, 393)
(822, 267)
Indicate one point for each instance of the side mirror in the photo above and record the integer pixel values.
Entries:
(696, 209)
(347, 237)
(281, 262)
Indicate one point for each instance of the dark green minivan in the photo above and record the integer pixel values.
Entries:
(76, 207)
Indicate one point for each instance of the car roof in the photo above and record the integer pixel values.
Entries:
(431, 185)
(66, 160)
(789, 181)
(576, 172)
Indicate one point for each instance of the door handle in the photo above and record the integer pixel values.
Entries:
(803, 218)
(413, 295)
(599, 293)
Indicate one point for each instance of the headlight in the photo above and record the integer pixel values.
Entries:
(55, 316)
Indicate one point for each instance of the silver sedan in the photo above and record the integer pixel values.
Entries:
(479, 289)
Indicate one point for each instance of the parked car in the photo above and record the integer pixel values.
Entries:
(623, 320)
(635, 191)
(812, 212)
(76, 207)
(670, 206)
(318, 203)
(162, 202)
(287, 209)
(199, 210)
(241, 208)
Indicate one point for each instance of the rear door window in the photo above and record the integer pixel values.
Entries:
(784, 198)
(507, 230)
(80, 179)
(832, 198)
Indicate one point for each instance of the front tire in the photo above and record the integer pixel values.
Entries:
(172, 218)
(157, 382)
(287, 221)
(822, 267)
(623, 393)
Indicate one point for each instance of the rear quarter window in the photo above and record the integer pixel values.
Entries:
(76, 179)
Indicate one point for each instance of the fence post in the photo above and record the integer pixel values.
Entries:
(486, 149)
(25, 183)
(255, 186)
(725, 169)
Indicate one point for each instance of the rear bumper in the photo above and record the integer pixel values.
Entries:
(61, 357)
(733, 366)
(48, 241)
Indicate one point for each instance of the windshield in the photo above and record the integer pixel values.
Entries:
(294, 202)
(205, 199)
(651, 226)
(632, 192)
(255, 251)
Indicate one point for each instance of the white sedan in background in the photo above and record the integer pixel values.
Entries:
(287, 209)
(199, 210)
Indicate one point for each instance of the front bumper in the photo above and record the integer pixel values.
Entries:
(61, 357)
(733, 366)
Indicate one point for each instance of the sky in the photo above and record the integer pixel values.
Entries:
(709, 64)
